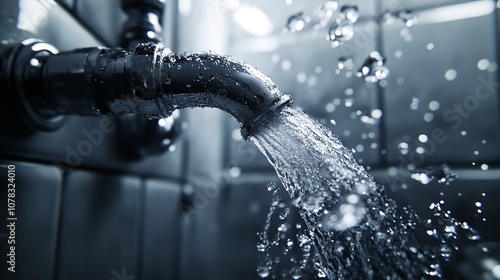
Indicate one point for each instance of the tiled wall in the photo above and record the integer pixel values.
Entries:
(93, 225)
(86, 225)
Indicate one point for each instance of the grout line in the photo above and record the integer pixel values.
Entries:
(140, 227)
(380, 91)
(58, 231)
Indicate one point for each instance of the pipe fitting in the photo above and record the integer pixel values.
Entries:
(151, 81)
(22, 82)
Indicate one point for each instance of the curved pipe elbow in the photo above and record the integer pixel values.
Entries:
(152, 81)
(202, 80)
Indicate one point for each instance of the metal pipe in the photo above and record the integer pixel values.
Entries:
(144, 22)
(150, 81)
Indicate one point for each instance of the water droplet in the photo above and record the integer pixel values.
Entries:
(282, 228)
(398, 54)
(376, 114)
(450, 74)
(405, 33)
(450, 229)
(428, 117)
(362, 188)
(234, 172)
(442, 173)
(35, 62)
(350, 13)
(296, 272)
(301, 77)
(483, 64)
(262, 245)
(433, 105)
(430, 46)
(286, 65)
(340, 32)
(330, 107)
(296, 22)
(403, 148)
(284, 214)
(423, 138)
(306, 247)
(324, 13)
(272, 187)
(263, 271)
(313, 203)
(463, 133)
(484, 166)
(420, 150)
(346, 214)
(374, 69)
(496, 269)
(445, 251)
(472, 234)
(321, 273)
(345, 62)
(408, 17)
(421, 177)
(303, 239)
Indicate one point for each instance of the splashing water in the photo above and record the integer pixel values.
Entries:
(406, 16)
(340, 203)
(324, 13)
(340, 32)
(350, 13)
(352, 229)
(374, 69)
(296, 22)
(442, 173)
(345, 62)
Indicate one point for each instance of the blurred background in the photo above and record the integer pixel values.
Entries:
(122, 208)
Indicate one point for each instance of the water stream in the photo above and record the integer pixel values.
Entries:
(356, 231)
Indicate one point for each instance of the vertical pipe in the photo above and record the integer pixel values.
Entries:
(380, 90)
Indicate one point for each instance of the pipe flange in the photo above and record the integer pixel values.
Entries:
(27, 60)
